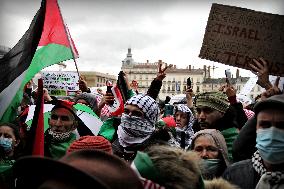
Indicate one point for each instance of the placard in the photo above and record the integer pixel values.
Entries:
(234, 36)
(60, 83)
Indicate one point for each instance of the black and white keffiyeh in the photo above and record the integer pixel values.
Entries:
(268, 180)
(148, 105)
(188, 131)
(133, 130)
(59, 136)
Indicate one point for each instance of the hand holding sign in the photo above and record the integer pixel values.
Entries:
(260, 68)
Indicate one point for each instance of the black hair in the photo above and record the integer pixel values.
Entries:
(14, 127)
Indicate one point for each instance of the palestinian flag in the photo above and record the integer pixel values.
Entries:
(35, 139)
(86, 115)
(46, 42)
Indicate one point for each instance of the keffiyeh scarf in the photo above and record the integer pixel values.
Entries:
(133, 130)
(268, 180)
(187, 131)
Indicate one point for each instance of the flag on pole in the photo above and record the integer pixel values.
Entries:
(36, 132)
(45, 43)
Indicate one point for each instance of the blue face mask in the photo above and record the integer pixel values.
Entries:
(210, 168)
(6, 144)
(270, 144)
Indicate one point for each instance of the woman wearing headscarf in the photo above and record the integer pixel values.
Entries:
(183, 130)
(211, 147)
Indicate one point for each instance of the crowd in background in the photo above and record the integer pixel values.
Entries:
(208, 141)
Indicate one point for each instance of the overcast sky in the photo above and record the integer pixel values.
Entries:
(168, 30)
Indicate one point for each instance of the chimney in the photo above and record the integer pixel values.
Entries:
(147, 61)
(189, 67)
(209, 76)
(237, 73)
(205, 71)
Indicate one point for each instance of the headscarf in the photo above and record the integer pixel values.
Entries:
(219, 141)
(187, 129)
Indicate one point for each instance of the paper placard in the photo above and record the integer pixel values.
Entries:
(234, 36)
(60, 83)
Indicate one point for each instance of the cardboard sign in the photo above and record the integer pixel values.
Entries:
(234, 36)
(60, 83)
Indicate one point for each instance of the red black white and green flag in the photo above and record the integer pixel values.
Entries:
(46, 42)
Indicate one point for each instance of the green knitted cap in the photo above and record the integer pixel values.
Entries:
(215, 100)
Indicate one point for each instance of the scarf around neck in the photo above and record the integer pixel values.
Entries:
(268, 180)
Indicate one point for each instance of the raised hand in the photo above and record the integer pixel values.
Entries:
(161, 73)
(83, 85)
(274, 90)
(230, 91)
(260, 68)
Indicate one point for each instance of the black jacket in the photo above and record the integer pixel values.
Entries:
(242, 174)
(244, 144)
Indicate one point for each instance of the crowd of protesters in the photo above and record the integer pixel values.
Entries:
(209, 141)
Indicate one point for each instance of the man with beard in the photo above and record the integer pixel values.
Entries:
(62, 122)
(214, 112)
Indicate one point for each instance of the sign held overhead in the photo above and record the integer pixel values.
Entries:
(234, 36)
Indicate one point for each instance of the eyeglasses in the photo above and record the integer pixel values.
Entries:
(135, 113)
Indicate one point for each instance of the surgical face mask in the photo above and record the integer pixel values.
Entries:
(210, 168)
(6, 144)
(59, 136)
(270, 144)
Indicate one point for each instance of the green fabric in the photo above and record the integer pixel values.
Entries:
(84, 108)
(6, 165)
(160, 124)
(107, 130)
(130, 93)
(145, 166)
(230, 135)
(43, 57)
(6, 174)
(57, 150)
(46, 116)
